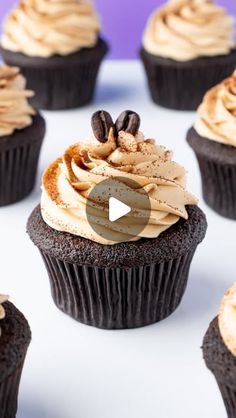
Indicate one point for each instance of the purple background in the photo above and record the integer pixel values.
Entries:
(123, 21)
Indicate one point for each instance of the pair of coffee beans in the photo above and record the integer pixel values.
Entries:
(102, 123)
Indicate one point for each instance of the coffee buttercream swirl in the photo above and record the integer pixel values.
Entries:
(44, 28)
(216, 116)
(187, 29)
(227, 319)
(68, 182)
(15, 111)
(3, 299)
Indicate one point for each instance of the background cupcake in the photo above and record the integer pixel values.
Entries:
(57, 46)
(219, 350)
(213, 138)
(188, 47)
(15, 337)
(21, 134)
(104, 273)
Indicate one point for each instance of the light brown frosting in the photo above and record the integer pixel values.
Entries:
(227, 319)
(187, 29)
(216, 116)
(44, 28)
(15, 111)
(3, 299)
(68, 181)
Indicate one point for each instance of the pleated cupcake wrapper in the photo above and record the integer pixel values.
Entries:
(121, 297)
(9, 389)
(229, 397)
(18, 166)
(62, 88)
(183, 87)
(219, 186)
(60, 82)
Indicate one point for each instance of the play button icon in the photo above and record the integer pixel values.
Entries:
(117, 209)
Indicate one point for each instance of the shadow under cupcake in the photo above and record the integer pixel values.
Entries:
(103, 273)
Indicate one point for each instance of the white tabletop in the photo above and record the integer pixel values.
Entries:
(75, 371)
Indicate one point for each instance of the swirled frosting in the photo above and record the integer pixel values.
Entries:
(3, 299)
(187, 29)
(227, 319)
(216, 116)
(44, 28)
(15, 111)
(68, 181)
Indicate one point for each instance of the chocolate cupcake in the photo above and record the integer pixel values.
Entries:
(188, 47)
(132, 271)
(57, 46)
(22, 131)
(219, 350)
(15, 337)
(213, 139)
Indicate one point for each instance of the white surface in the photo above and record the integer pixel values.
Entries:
(117, 209)
(74, 371)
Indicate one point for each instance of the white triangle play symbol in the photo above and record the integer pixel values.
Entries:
(117, 209)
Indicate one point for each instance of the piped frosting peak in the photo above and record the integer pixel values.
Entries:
(216, 116)
(15, 111)
(67, 183)
(187, 29)
(44, 28)
(227, 319)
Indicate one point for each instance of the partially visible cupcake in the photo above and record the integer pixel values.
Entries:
(58, 48)
(125, 272)
(22, 131)
(15, 338)
(219, 350)
(188, 47)
(213, 139)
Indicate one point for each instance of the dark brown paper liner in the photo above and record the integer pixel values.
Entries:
(221, 362)
(229, 398)
(9, 389)
(61, 82)
(182, 85)
(219, 186)
(118, 298)
(14, 341)
(19, 154)
(217, 163)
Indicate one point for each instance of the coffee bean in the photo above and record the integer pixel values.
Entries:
(101, 124)
(129, 122)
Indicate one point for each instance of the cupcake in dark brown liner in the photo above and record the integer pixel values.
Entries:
(22, 130)
(57, 46)
(219, 350)
(188, 47)
(116, 274)
(15, 338)
(213, 139)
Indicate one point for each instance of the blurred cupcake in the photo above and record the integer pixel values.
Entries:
(219, 350)
(15, 337)
(213, 139)
(117, 274)
(21, 134)
(188, 47)
(57, 46)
